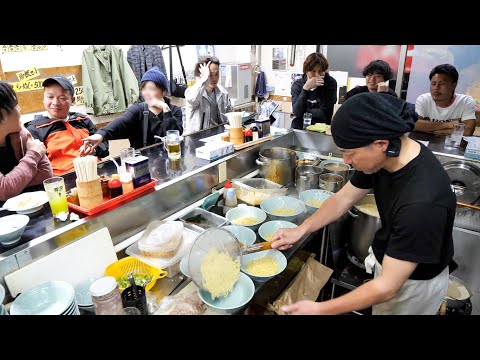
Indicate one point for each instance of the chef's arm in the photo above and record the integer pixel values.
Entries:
(381, 289)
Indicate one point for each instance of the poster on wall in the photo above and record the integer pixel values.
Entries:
(279, 59)
(204, 50)
(353, 58)
(465, 58)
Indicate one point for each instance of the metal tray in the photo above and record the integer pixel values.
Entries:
(208, 219)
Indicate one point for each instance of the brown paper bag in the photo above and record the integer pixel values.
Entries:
(306, 286)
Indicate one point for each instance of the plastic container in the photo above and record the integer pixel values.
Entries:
(230, 196)
(115, 186)
(129, 264)
(254, 191)
(106, 296)
(161, 239)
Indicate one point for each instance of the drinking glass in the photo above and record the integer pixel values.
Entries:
(172, 144)
(57, 197)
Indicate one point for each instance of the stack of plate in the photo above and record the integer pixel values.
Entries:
(83, 295)
(49, 298)
(3, 311)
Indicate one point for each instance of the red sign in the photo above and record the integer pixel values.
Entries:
(245, 67)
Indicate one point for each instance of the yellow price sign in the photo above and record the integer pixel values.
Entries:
(29, 85)
(28, 74)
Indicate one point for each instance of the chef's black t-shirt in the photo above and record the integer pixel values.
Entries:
(417, 210)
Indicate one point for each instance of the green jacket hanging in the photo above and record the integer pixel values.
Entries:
(109, 84)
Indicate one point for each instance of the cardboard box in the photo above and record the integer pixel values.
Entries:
(472, 150)
(214, 150)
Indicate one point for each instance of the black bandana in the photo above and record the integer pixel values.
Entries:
(367, 117)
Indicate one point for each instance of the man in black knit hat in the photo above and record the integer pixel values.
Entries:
(412, 250)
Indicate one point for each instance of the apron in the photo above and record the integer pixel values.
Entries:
(416, 297)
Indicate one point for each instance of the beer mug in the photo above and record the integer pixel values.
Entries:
(171, 143)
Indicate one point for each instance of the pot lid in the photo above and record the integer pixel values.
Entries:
(465, 180)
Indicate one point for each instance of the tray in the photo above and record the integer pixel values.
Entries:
(108, 203)
(188, 238)
(250, 143)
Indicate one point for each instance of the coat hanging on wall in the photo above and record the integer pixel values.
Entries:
(109, 84)
(144, 57)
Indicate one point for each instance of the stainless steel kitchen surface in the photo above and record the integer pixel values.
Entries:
(184, 183)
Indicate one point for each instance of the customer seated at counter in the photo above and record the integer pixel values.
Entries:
(60, 130)
(23, 161)
(412, 251)
(315, 92)
(442, 107)
(207, 100)
(157, 111)
(376, 74)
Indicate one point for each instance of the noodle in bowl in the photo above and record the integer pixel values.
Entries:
(248, 216)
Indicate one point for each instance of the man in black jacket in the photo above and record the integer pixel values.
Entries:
(315, 92)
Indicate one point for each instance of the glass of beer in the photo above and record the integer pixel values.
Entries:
(172, 144)
(55, 189)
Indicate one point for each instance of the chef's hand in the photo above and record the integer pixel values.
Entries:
(159, 104)
(285, 238)
(313, 82)
(90, 144)
(304, 307)
(37, 146)
(382, 87)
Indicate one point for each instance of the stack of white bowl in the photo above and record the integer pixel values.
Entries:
(49, 298)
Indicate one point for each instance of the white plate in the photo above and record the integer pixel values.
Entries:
(35, 201)
(188, 238)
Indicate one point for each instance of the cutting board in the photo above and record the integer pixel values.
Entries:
(84, 258)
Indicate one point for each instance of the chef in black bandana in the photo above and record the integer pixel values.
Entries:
(412, 251)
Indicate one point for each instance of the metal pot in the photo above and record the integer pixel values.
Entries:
(461, 305)
(344, 170)
(278, 165)
(306, 177)
(330, 182)
(362, 228)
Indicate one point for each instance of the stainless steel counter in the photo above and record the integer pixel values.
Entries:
(179, 186)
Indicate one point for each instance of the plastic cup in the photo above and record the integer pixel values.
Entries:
(457, 133)
(131, 311)
(57, 197)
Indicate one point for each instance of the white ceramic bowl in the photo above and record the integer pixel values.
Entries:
(241, 294)
(49, 298)
(276, 254)
(314, 194)
(27, 203)
(243, 211)
(12, 228)
(271, 227)
(245, 235)
(277, 202)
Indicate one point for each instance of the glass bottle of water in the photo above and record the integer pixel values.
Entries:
(307, 120)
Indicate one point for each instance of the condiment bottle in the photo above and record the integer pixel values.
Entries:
(106, 296)
(104, 182)
(231, 195)
(254, 133)
(248, 135)
(127, 182)
(115, 186)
